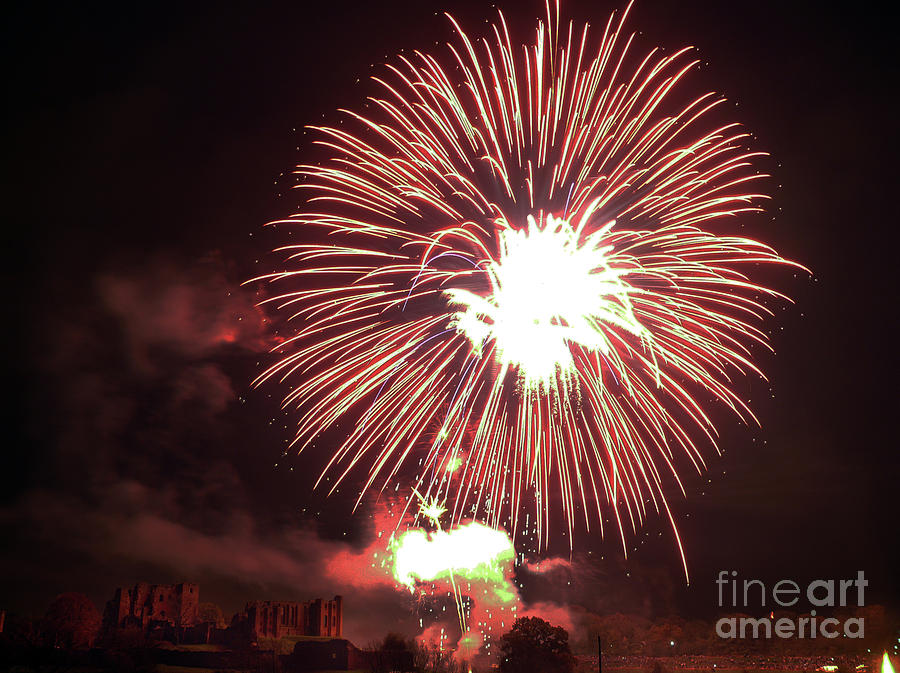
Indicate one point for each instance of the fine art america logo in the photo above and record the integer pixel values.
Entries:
(754, 594)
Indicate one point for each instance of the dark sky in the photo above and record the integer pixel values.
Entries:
(146, 145)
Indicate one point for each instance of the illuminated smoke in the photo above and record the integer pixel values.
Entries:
(471, 552)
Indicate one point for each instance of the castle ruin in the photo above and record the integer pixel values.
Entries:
(147, 605)
(276, 619)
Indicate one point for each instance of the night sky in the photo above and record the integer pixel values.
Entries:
(145, 147)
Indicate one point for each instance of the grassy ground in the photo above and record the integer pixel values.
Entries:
(194, 648)
(163, 668)
(286, 644)
(591, 668)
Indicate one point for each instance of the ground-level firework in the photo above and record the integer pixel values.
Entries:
(472, 563)
(522, 287)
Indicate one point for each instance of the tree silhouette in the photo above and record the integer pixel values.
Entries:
(72, 621)
(391, 654)
(210, 612)
(535, 645)
(430, 657)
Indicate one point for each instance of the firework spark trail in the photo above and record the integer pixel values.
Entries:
(520, 273)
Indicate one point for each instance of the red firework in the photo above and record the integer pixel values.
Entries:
(519, 284)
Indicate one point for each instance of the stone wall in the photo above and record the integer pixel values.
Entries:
(277, 619)
(145, 605)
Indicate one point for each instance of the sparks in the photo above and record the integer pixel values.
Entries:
(518, 280)
(431, 509)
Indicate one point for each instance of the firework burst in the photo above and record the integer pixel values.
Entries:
(518, 286)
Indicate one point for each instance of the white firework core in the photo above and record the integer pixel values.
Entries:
(550, 288)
